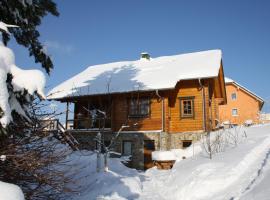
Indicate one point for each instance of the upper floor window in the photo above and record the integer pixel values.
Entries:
(139, 107)
(187, 107)
(234, 96)
(234, 112)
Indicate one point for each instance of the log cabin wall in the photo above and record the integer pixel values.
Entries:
(213, 105)
(173, 122)
(120, 113)
(176, 122)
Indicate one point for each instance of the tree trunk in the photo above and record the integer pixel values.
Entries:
(98, 152)
(106, 166)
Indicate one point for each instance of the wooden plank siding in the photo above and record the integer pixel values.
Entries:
(120, 114)
(176, 123)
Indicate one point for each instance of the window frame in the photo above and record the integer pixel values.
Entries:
(187, 116)
(123, 149)
(232, 96)
(138, 108)
(236, 112)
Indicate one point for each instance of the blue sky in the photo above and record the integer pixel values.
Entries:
(99, 31)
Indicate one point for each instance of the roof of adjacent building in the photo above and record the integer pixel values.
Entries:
(230, 81)
(143, 74)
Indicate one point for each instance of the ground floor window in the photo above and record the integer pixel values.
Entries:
(126, 148)
(186, 143)
(149, 145)
(234, 112)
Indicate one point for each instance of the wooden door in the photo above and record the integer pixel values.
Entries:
(149, 146)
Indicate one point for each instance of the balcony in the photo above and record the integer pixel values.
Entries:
(89, 124)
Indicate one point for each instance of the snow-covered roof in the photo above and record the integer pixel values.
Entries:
(230, 81)
(156, 73)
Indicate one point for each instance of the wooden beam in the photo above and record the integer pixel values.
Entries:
(67, 110)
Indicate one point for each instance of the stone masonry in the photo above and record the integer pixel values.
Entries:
(162, 141)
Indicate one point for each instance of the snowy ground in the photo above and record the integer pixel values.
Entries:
(119, 183)
(229, 175)
(10, 192)
(239, 172)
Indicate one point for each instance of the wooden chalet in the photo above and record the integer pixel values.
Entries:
(167, 102)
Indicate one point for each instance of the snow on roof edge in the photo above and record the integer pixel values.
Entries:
(124, 92)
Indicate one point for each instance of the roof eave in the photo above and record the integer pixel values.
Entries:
(248, 91)
(67, 98)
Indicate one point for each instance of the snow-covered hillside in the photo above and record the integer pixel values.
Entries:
(240, 172)
(229, 175)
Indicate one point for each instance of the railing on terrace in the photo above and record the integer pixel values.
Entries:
(89, 123)
(49, 124)
(59, 131)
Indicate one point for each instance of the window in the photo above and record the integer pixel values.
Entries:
(233, 96)
(149, 145)
(127, 148)
(139, 107)
(234, 112)
(186, 143)
(187, 107)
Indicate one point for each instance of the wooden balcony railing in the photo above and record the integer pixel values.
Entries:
(59, 132)
(89, 123)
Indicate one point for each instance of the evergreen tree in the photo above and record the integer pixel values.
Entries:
(29, 156)
(27, 14)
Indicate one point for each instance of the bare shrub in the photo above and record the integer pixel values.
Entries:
(218, 141)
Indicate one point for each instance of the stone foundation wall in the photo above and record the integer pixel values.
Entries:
(162, 140)
(175, 140)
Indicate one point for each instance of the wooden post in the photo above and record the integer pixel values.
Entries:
(67, 109)
(204, 110)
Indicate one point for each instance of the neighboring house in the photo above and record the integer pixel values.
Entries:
(265, 118)
(242, 105)
(168, 102)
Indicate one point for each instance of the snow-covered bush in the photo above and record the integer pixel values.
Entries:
(34, 159)
(30, 157)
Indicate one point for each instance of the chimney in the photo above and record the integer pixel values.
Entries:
(145, 55)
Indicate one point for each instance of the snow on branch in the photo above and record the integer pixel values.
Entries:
(31, 81)
(4, 27)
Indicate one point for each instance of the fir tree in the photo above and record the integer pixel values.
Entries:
(29, 156)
